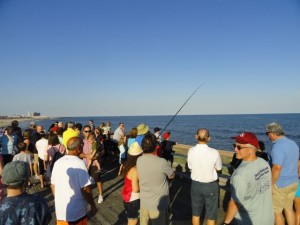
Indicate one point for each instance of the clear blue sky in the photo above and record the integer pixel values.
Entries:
(145, 57)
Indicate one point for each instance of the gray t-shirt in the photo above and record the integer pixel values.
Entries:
(154, 188)
(23, 156)
(251, 189)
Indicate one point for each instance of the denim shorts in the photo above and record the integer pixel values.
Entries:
(132, 209)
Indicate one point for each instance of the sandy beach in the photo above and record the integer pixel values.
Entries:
(5, 122)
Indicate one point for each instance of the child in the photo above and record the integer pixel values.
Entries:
(94, 153)
(122, 149)
(167, 148)
(24, 156)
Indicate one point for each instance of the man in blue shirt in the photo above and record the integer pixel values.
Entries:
(284, 156)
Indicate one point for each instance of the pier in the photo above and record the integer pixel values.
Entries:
(111, 210)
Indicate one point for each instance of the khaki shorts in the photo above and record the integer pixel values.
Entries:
(156, 217)
(283, 198)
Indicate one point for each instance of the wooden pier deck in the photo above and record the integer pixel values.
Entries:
(111, 210)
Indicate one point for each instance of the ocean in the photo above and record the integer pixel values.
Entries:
(184, 127)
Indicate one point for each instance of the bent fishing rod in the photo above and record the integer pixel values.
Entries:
(181, 108)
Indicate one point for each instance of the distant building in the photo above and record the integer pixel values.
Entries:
(36, 114)
(30, 114)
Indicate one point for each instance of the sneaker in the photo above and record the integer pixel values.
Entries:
(37, 177)
(100, 199)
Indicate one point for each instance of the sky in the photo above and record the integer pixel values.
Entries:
(146, 57)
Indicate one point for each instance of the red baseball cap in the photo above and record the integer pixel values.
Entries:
(166, 135)
(247, 138)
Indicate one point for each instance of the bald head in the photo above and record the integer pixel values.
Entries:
(74, 144)
(203, 135)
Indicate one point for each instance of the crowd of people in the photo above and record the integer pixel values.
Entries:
(264, 188)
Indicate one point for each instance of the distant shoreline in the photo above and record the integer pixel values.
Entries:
(5, 122)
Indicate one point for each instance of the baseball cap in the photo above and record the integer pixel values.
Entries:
(15, 173)
(247, 138)
(166, 135)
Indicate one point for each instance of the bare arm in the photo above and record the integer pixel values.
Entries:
(276, 170)
(172, 176)
(46, 157)
(88, 196)
(135, 180)
(30, 168)
(231, 211)
(53, 189)
(88, 156)
(83, 155)
(46, 161)
(27, 142)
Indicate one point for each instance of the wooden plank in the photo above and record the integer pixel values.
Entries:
(111, 211)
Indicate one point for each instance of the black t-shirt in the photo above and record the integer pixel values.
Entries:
(167, 148)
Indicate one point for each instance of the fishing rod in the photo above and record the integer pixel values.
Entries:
(180, 108)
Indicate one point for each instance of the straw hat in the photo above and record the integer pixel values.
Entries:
(135, 149)
(142, 129)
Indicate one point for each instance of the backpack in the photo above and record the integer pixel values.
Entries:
(56, 157)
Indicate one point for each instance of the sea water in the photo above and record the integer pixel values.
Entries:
(183, 128)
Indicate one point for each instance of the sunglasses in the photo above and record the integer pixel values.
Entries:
(87, 131)
(238, 147)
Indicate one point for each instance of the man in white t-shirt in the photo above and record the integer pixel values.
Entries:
(204, 163)
(70, 185)
(119, 132)
(41, 147)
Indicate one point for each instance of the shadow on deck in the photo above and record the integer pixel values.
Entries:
(111, 211)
